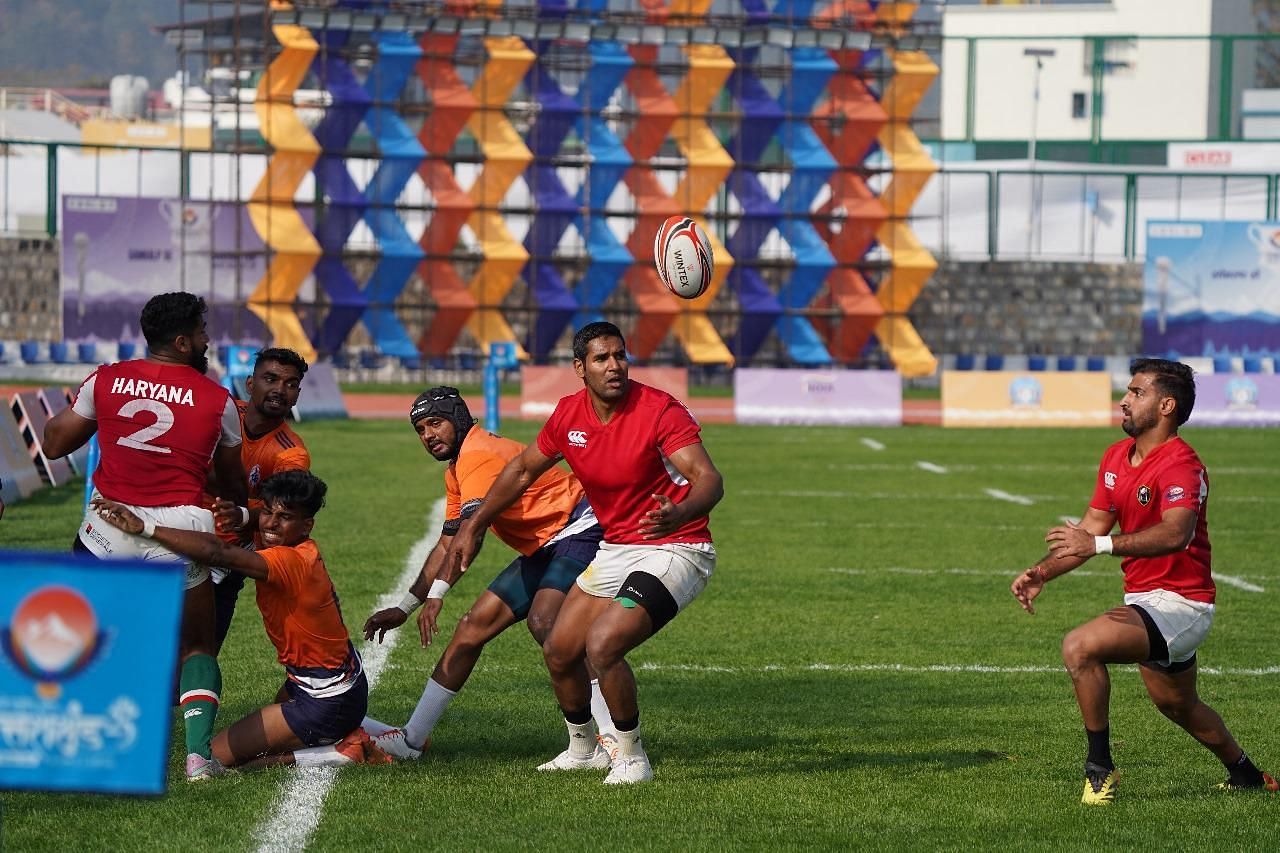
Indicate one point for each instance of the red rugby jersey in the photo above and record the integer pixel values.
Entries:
(158, 426)
(1170, 476)
(623, 463)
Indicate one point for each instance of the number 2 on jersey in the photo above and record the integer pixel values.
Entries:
(140, 440)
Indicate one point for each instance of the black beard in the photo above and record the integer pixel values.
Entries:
(201, 363)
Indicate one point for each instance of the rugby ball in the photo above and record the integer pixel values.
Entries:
(682, 255)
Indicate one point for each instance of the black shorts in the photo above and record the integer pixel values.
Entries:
(319, 722)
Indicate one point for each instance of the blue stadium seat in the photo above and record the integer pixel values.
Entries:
(59, 352)
(993, 362)
(1096, 363)
(411, 362)
(370, 359)
(1037, 362)
(87, 353)
(1066, 362)
(340, 359)
(965, 361)
(1253, 365)
(1222, 364)
(126, 350)
(30, 351)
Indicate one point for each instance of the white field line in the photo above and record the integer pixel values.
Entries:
(1069, 519)
(881, 496)
(297, 810)
(872, 443)
(1230, 580)
(930, 467)
(960, 668)
(1002, 495)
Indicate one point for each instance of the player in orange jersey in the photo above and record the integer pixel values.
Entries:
(325, 694)
(270, 446)
(553, 528)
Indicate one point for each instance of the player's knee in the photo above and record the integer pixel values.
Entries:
(1077, 651)
(470, 635)
(559, 659)
(540, 626)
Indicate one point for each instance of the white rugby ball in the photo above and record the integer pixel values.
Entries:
(682, 254)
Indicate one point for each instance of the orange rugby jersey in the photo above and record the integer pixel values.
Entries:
(529, 523)
(274, 451)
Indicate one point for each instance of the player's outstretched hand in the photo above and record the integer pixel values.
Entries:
(1027, 586)
(665, 519)
(427, 616)
(382, 622)
(1070, 540)
(117, 515)
(227, 517)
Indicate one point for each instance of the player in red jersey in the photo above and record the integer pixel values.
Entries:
(553, 529)
(316, 721)
(159, 422)
(270, 446)
(639, 456)
(1156, 487)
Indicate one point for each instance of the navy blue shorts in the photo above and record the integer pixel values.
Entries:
(319, 722)
(553, 566)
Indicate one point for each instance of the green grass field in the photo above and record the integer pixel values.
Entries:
(857, 674)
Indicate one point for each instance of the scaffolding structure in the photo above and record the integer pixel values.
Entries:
(430, 178)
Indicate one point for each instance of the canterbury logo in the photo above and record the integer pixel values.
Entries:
(577, 438)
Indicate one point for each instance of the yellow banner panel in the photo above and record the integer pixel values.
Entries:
(1010, 398)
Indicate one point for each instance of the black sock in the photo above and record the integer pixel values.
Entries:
(578, 718)
(628, 725)
(1244, 772)
(1100, 748)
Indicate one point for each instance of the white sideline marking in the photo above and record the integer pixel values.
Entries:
(873, 444)
(1240, 583)
(1002, 495)
(1069, 519)
(902, 667)
(930, 467)
(297, 810)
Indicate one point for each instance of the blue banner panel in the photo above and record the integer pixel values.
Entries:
(1212, 288)
(88, 654)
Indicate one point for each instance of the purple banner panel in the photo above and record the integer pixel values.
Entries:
(119, 252)
(827, 397)
(1245, 400)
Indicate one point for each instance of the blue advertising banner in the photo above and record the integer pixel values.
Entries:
(1212, 288)
(88, 655)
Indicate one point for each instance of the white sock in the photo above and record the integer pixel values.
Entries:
(582, 739)
(435, 698)
(374, 727)
(320, 756)
(600, 710)
(629, 742)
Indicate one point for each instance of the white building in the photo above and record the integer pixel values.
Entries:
(1153, 88)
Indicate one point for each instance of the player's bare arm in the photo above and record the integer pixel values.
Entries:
(515, 478)
(1028, 585)
(232, 484)
(1173, 533)
(66, 432)
(706, 490)
(202, 547)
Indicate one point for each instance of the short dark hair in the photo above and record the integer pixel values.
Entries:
(297, 489)
(1172, 379)
(168, 315)
(282, 356)
(590, 332)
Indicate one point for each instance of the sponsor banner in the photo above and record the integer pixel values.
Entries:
(1010, 398)
(1247, 400)
(119, 252)
(835, 397)
(542, 387)
(144, 134)
(1212, 288)
(1224, 156)
(89, 652)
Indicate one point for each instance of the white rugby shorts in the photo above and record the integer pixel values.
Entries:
(1182, 622)
(683, 568)
(108, 542)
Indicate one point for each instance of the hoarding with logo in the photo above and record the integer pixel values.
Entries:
(1241, 399)
(1212, 288)
(1015, 399)
(837, 397)
(87, 664)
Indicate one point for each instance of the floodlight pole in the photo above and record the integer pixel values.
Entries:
(1039, 54)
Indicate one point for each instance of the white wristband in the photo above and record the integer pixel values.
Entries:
(409, 603)
(244, 515)
(438, 589)
(1102, 544)
(148, 529)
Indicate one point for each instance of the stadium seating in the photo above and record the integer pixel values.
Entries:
(993, 362)
(87, 353)
(1252, 365)
(1222, 364)
(1037, 363)
(126, 350)
(1096, 363)
(1066, 362)
(59, 352)
(30, 351)
(965, 361)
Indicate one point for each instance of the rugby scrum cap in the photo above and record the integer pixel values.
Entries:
(445, 402)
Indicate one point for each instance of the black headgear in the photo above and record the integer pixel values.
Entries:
(445, 402)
